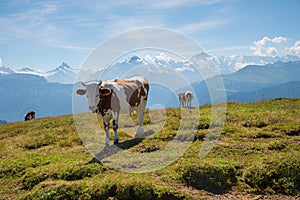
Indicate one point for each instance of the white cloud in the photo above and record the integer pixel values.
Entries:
(35, 21)
(271, 51)
(179, 3)
(262, 47)
(201, 26)
(37, 16)
(258, 50)
(77, 48)
(103, 5)
(1, 62)
(262, 42)
(278, 40)
(295, 50)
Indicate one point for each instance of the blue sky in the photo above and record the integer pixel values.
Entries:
(43, 34)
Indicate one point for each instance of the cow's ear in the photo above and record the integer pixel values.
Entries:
(80, 91)
(100, 83)
(105, 91)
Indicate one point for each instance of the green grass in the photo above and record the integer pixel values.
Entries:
(258, 152)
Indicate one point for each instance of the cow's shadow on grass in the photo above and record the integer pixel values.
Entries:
(110, 150)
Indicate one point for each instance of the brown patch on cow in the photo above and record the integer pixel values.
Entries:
(134, 90)
(108, 100)
(143, 92)
(80, 91)
(181, 97)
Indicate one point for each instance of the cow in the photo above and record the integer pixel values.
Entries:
(189, 97)
(30, 115)
(112, 97)
(182, 99)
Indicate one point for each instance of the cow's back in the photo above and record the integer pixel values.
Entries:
(128, 93)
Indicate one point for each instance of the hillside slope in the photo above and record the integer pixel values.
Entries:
(257, 155)
(288, 90)
(23, 92)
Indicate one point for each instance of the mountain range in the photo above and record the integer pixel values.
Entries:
(62, 74)
(48, 94)
(256, 82)
(164, 63)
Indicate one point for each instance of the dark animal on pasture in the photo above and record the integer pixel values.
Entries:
(30, 115)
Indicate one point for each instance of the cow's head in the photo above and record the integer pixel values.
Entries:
(92, 92)
(181, 96)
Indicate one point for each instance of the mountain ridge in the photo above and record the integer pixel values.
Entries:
(22, 92)
(225, 65)
(251, 78)
(61, 74)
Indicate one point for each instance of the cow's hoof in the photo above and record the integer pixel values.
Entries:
(139, 131)
(116, 141)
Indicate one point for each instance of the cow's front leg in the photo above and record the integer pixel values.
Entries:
(106, 128)
(115, 128)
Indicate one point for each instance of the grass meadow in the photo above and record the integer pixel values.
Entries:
(257, 154)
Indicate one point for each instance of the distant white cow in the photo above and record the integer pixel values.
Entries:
(109, 98)
(185, 99)
(182, 99)
(189, 97)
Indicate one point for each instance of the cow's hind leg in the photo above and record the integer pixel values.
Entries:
(141, 110)
(115, 116)
(106, 128)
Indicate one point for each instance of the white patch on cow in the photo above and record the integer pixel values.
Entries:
(115, 115)
(189, 97)
(120, 93)
(108, 115)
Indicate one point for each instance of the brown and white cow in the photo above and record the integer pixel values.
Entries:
(189, 97)
(30, 115)
(110, 98)
(185, 99)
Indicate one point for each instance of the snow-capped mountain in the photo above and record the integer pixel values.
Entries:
(29, 71)
(199, 67)
(227, 65)
(6, 70)
(160, 66)
(62, 74)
